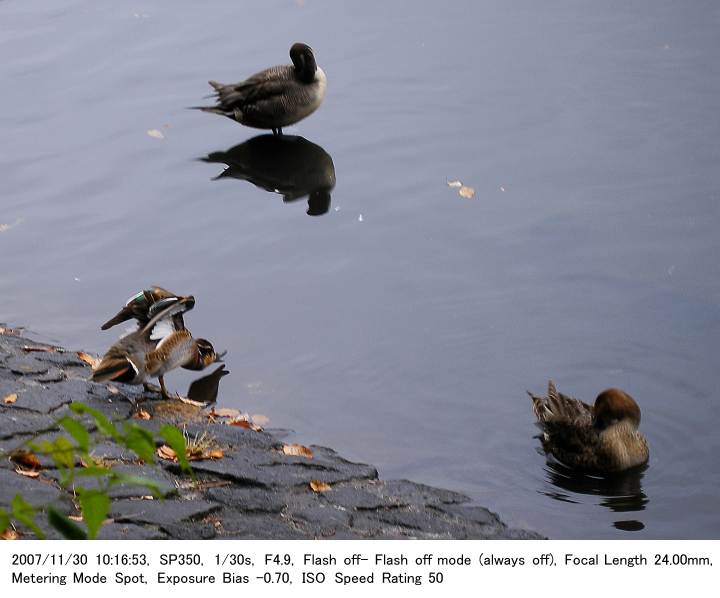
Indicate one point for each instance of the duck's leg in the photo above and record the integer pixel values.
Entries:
(163, 389)
(280, 131)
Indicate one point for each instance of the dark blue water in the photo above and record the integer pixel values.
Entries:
(404, 325)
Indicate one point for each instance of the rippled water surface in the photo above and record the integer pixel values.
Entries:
(402, 324)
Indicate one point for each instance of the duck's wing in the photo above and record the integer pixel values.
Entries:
(138, 306)
(264, 86)
(115, 365)
(165, 317)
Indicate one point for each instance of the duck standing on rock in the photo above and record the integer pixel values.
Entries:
(599, 438)
(276, 97)
(155, 349)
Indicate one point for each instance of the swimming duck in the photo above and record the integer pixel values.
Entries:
(600, 438)
(276, 97)
(154, 350)
(141, 305)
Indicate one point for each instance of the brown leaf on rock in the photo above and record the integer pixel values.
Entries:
(297, 450)
(319, 486)
(113, 390)
(9, 534)
(87, 358)
(241, 422)
(10, 399)
(26, 459)
(165, 452)
(9, 331)
(38, 349)
(215, 454)
(28, 473)
(142, 414)
(225, 413)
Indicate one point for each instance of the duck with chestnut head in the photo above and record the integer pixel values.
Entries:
(599, 438)
(275, 97)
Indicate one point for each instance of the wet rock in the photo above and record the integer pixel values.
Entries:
(52, 375)
(36, 492)
(25, 365)
(260, 500)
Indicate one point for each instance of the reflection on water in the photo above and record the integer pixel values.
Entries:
(620, 492)
(286, 164)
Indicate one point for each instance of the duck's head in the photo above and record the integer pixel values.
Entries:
(303, 60)
(613, 406)
(206, 355)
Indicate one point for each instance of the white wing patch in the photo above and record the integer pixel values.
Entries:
(162, 329)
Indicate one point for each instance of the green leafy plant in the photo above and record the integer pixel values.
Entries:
(67, 451)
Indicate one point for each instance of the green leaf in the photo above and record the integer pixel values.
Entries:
(62, 452)
(4, 520)
(103, 423)
(94, 472)
(77, 431)
(24, 512)
(155, 488)
(95, 505)
(67, 528)
(140, 441)
(176, 440)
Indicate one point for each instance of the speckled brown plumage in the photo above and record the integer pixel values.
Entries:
(598, 438)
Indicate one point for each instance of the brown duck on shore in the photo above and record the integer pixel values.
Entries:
(154, 350)
(600, 438)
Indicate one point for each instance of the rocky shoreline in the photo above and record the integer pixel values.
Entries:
(254, 491)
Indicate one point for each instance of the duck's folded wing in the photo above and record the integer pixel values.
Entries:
(120, 369)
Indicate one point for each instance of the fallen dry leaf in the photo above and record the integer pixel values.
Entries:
(28, 473)
(113, 390)
(142, 414)
(26, 459)
(466, 192)
(10, 399)
(9, 331)
(241, 422)
(225, 413)
(215, 454)
(9, 534)
(38, 349)
(87, 358)
(165, 452)
(155, 134)
(297, 450)
(260, 420)
(319, 486)
(191, 402)
(75, 517)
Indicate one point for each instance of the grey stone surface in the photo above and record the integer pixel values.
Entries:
(254, 491)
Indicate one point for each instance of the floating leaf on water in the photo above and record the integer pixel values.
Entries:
(155, 134)
(10, 399)
(466, 192)
(360, 218)
(87, 358)
(297, 450)
(454, 183)
(319, 486)
(502, 188)
(260, 420)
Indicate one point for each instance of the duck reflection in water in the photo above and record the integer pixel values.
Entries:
(621, 492)
(289, 165)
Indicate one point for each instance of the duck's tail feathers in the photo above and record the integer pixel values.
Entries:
(211, 109)
(556, 406)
